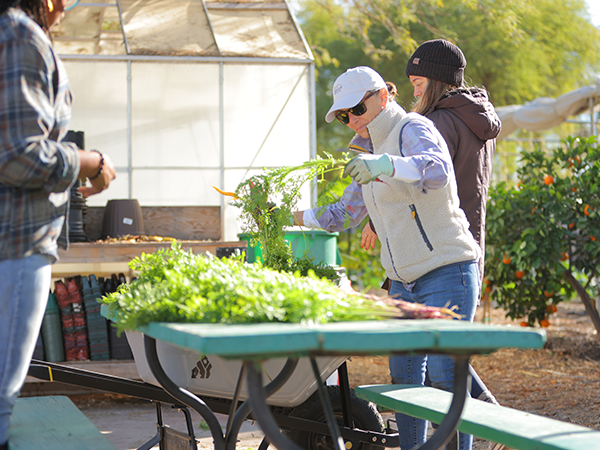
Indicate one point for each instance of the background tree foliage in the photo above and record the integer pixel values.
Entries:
(543, 236)
(517, 49)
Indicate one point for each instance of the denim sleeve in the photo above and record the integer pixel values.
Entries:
(348, 212)
(420, 144)
(30, 156)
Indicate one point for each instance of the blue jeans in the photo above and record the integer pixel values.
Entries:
(24, 289)
(455, 285)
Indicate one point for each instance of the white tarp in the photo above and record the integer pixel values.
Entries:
(544, 112)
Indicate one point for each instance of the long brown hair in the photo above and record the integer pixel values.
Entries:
(36, 9)
(392, 90)
(432, 94)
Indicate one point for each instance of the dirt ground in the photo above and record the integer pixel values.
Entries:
(561, 381)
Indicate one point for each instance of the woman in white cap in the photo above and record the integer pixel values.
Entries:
(405, 182)
(466, 119)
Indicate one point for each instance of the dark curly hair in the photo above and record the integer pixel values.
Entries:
(36, 9)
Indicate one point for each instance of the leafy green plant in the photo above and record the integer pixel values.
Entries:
(266, 202)
(543, 235)
(178, 286)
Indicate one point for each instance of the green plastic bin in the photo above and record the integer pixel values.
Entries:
(321, 245)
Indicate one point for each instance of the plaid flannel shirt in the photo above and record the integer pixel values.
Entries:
(36, 169)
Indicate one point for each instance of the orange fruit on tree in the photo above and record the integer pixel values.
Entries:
(548, 294)
(548, 180)
(488, 289)
(506, 259)
(592, 238)
(552, 309)
(571, 225)
(524, 324)
(563, 256)
(574, 189)
(587, 209)
(545, 323)
(519, 274)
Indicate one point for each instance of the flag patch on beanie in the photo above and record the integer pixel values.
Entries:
(416, 61)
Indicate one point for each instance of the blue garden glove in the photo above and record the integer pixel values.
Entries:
(366, 167)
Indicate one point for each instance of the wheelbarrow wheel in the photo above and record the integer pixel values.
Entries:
(365, 415)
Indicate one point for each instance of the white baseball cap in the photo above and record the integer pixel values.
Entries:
(351, 86)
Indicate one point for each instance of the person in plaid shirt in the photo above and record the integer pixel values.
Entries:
(37, 171)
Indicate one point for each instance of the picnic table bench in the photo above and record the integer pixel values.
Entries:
(53, 423)
(513, 428)
(258, 342)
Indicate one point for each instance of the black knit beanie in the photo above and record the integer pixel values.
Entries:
(438, 60)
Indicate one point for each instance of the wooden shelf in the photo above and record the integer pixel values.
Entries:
(104, 259)
(107, 258)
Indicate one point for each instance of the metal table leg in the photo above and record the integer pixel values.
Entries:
(261, 411)
(444, 433)
(183, 395)
(245, 409)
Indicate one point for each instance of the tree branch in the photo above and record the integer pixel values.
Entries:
(585, 298)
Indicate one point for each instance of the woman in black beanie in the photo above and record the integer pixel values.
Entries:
(466, 119)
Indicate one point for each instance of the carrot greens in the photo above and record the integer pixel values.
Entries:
(178, 286)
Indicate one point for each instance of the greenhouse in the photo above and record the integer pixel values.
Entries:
(184, 95)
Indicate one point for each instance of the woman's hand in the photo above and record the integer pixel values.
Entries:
(98, 168)
(369, 238)
(365, 168)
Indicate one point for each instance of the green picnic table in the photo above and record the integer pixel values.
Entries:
(258, 342)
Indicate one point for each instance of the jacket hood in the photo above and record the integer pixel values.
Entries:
(474, 108)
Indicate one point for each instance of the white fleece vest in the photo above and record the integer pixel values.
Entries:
(418, 231)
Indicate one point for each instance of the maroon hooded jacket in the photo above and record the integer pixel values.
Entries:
(469, 124)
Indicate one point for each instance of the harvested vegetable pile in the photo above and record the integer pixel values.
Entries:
(178, 286)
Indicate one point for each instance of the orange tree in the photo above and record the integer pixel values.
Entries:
(543, 235)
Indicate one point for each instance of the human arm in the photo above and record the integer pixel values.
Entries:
(366, 168)
(348, 212)
(98, 169)
(35, 113)
(426, 149)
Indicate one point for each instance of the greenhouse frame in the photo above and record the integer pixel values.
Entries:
(184, 95)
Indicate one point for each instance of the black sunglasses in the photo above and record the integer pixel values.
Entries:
(358, 110)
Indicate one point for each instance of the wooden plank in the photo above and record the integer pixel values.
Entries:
(53, 422)
(343, 338)
(179, 222)
(81, 252)
(231, 341)
(513, 428)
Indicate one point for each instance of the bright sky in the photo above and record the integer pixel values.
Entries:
(594, 8)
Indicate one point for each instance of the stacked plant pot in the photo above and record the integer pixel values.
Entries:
(52, 332)
(119, 347)
(73, 320)
(96, 324)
